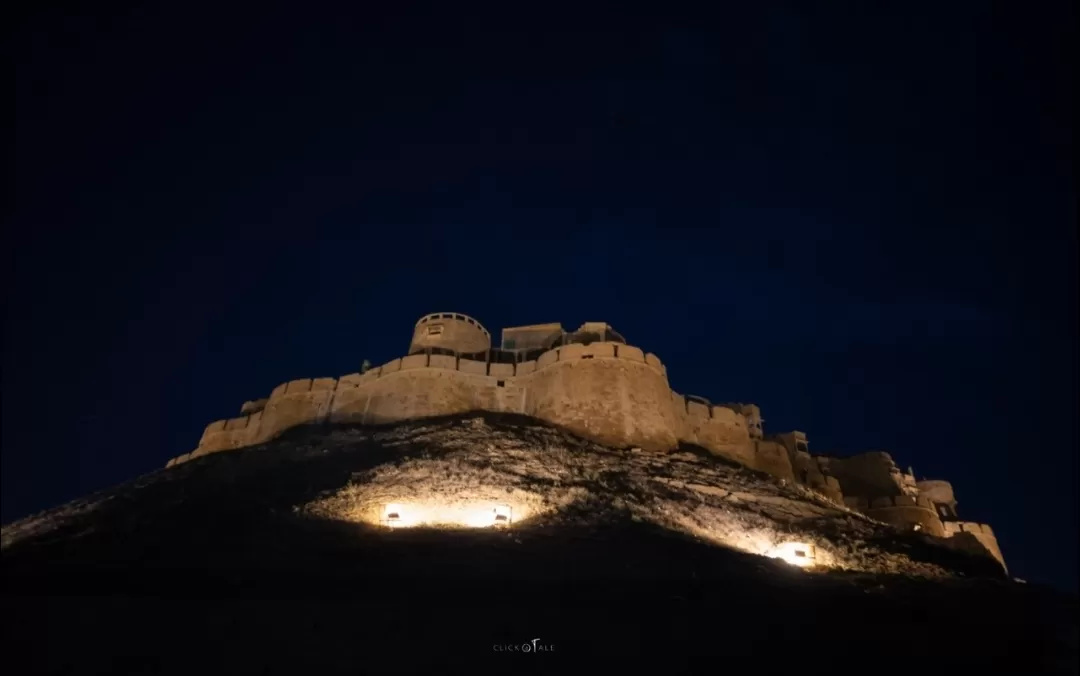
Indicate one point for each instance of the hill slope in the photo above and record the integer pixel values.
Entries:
(273, 558)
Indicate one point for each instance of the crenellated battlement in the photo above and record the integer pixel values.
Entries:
(594, 384)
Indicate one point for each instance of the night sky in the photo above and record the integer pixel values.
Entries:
(863, 220)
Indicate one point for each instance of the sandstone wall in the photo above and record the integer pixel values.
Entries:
(409, 388)
(608, 392)
(752, 414)
(772, 457)
(808, 473)
(297, 402)
(869, 474)
(456, 332)
(716, 428)
(937, 491)
(604, 392)
(224, 435)
(981, 532)
(250, 407)
(903, 511)
(941, 494)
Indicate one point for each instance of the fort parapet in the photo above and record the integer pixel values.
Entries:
(594, 384)
(608, 392)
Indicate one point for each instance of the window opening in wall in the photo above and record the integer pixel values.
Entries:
(435, 330)
(801, 446)
(587, 356)
(392, 516)
(796, 553)
(501, 383)
(502, 515)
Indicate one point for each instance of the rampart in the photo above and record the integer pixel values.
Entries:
(980, 532)
(938, 491)
(772, 457)
(719, 429)
(941, 493)
(609, 392)
(449, 330)
(903, 511)
(872, 473)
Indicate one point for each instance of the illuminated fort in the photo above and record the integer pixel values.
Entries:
(591, 382)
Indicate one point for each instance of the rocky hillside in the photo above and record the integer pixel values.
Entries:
(609, 554)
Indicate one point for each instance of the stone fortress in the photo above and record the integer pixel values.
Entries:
(591, 382)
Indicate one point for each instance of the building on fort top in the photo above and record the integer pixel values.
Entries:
(592, 382)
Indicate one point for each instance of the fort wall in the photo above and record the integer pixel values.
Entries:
(981, 532)
(603, 393)
(752, 414)
(902, 511)
(250, 407)
(225, 435)
(941, 494)
(608, 392)
(449, 330)
(872, 473)
(297, 402)
(809, 473)
(938, 491)
(718, 429)
(772, 457)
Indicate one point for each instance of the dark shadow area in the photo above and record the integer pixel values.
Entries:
(349, 599)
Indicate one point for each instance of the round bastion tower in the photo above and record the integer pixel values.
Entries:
(940, 493)
(449, 331)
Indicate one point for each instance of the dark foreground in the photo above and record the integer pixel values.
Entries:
(627, 597)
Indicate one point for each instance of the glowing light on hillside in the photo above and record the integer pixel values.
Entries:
(479, 515)
(796, 553)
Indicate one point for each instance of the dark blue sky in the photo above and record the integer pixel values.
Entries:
(862, 220)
